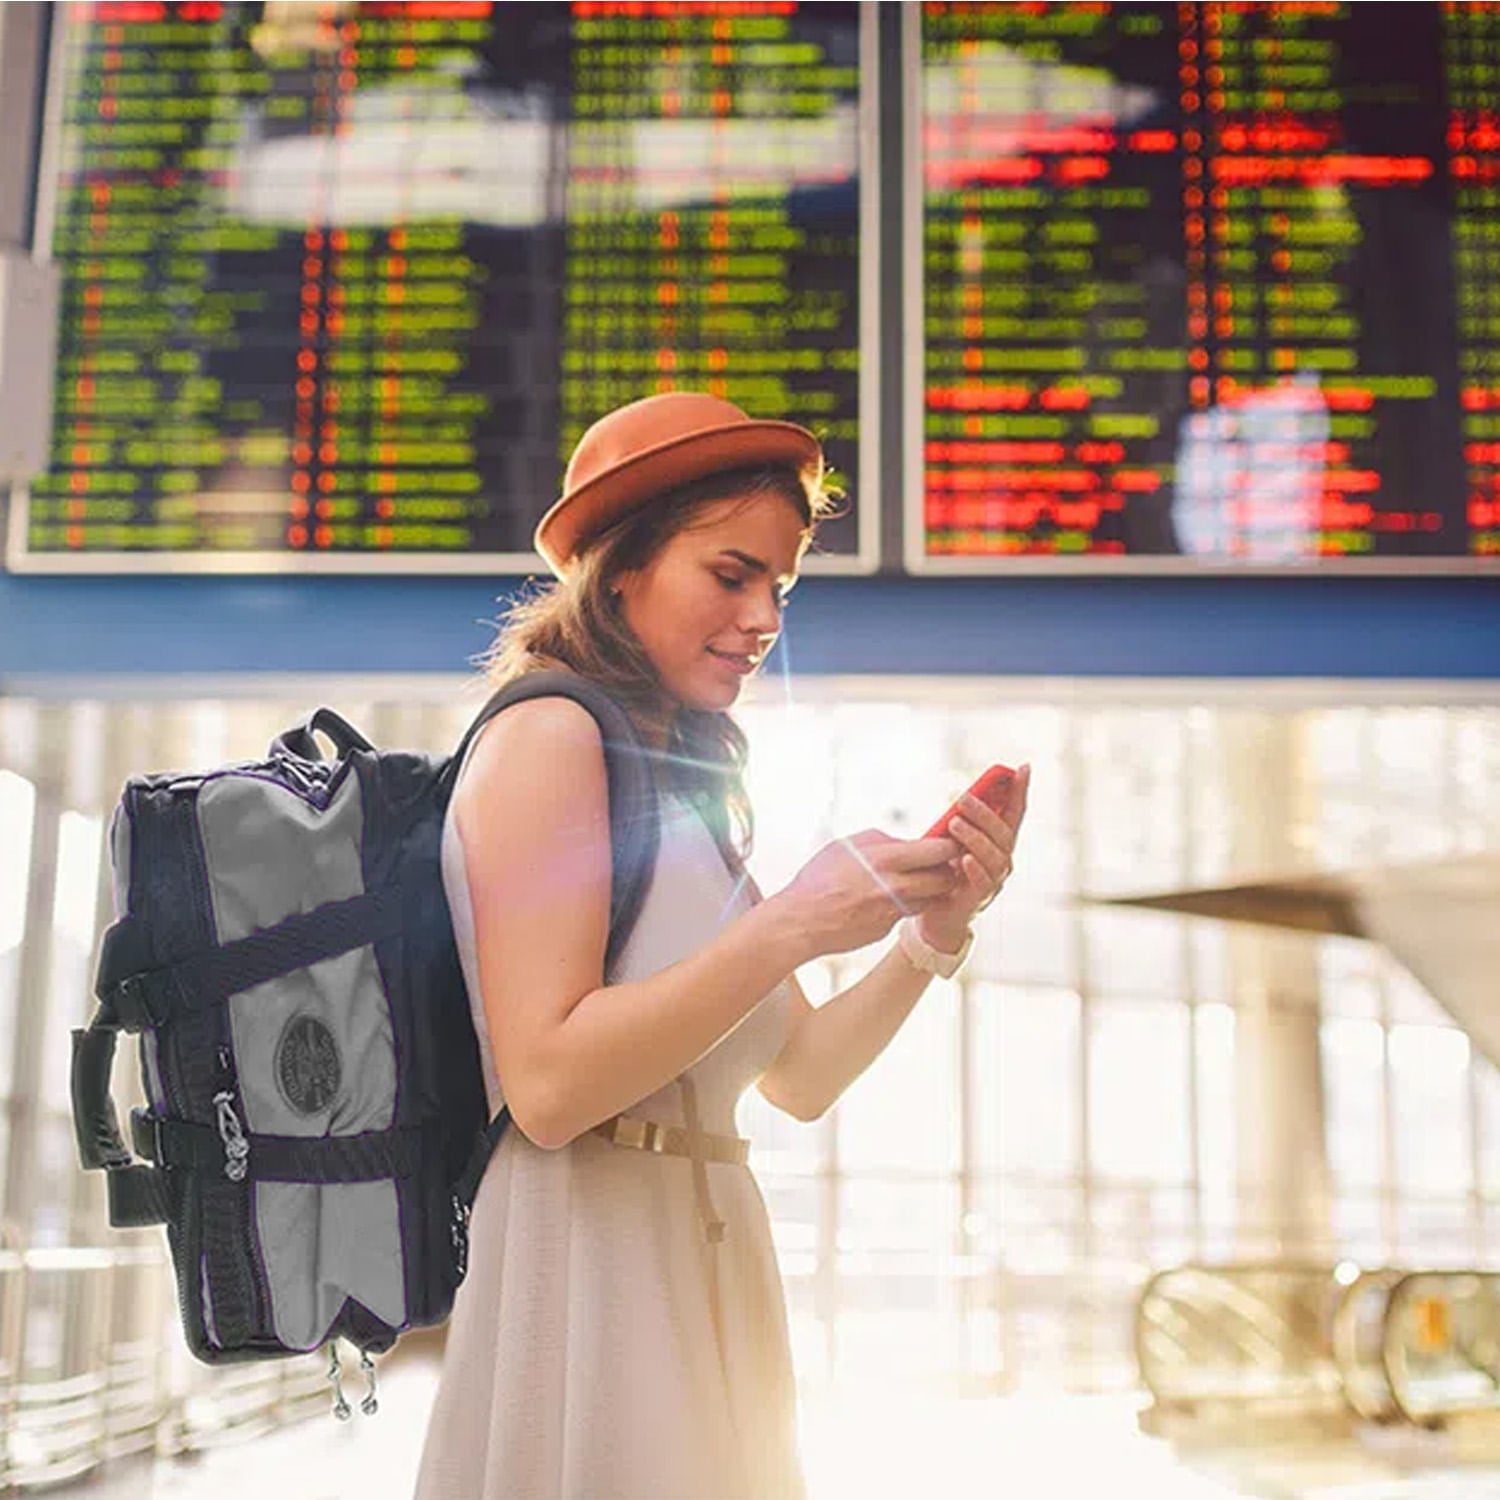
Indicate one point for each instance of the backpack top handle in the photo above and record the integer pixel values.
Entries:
(299, 740)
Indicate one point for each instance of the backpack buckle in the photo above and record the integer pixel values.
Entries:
(145, 1136)
(138, 1002)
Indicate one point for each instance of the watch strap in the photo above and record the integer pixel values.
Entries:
(929, 960)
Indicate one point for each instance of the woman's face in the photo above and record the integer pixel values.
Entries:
(707, 607)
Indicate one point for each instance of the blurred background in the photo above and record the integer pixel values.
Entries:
(1157, 348)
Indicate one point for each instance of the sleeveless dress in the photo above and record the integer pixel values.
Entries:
(582, 1359)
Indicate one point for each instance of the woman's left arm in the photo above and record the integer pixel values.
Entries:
(830, 1045)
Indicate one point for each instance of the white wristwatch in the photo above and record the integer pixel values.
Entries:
(922, 955)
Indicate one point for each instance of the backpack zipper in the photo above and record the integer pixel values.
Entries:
(236, 1163)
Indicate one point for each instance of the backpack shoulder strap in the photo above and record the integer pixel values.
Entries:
(634, 822)
(634, 829)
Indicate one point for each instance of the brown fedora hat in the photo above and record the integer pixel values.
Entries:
(647, 446)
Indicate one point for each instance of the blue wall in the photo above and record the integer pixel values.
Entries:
(1232, 627)
(1199, 627)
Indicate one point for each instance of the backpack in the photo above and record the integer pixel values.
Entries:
(317, 1126)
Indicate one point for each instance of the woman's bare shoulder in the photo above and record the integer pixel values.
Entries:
(557, 735)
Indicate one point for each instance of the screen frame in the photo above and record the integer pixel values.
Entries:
(913, 520)
(865, 502)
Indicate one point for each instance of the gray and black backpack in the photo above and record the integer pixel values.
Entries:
(317, 1126)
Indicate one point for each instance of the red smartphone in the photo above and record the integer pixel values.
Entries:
(990, 787)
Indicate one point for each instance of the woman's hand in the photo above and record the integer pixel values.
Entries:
(854, 890)
(988, 840)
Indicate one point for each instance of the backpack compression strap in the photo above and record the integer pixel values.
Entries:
(141, 997)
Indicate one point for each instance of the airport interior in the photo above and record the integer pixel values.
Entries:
(1156, 348)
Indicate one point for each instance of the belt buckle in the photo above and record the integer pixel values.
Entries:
(655, 1137)
(627, 1130)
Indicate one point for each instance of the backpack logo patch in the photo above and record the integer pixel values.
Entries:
(308, 1071)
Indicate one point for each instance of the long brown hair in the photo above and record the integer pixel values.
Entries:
(574, 624)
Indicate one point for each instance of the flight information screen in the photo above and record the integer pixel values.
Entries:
(343, 284)
(1203, 286)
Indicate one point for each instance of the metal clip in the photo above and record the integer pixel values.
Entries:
(369, 1406)
(458, 1230)
(236, 1147)
(341, 1408)
(310, 778)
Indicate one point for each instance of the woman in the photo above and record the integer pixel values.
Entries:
(622, 1332)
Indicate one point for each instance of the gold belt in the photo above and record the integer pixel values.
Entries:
(673, 1140)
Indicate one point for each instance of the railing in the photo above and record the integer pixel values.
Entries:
(1441, 1345)
(1253, 1347)
(81, 1379)
(89, 1371)
(1216, 1342)
(1358, 1338)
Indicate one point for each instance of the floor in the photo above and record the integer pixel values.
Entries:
(873, 1444)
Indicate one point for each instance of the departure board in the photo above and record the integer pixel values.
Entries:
(1203, 287)
(344, 283)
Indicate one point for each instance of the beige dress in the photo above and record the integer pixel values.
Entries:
(582, 1360)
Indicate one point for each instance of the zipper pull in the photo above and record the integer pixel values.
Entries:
(341, 1408)
(236, 1147)
(369, 1406)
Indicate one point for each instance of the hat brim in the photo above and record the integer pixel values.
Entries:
(606, 496)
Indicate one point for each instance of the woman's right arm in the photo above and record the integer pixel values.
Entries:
(532, 816)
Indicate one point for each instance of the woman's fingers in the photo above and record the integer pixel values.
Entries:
(924, 883)
(975, 854)
(988, 822)
(919, 854)
(987, 865)
(921, 889)
(991, 850)
(1019, 792)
